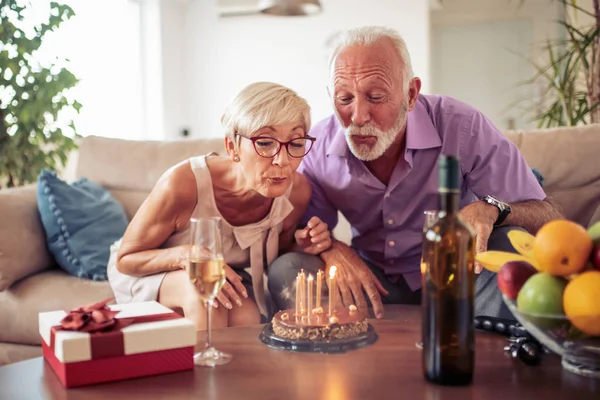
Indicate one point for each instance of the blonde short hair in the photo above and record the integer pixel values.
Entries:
(368, 35)
(263, 104)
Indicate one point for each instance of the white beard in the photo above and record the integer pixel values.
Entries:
(365, 152)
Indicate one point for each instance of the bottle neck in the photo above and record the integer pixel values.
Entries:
(449, 201)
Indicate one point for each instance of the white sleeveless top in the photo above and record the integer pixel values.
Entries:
(256, 244)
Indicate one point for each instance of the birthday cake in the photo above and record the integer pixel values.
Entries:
(309, 321)
(343, 324)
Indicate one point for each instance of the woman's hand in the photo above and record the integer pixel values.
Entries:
(231, 290)
(315, 238)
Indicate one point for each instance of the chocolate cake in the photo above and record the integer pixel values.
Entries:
(345, 324)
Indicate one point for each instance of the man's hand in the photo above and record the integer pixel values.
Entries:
(314, 238)
(353, 277)
(481, 216)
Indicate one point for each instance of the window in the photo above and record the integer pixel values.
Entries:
(103, 45)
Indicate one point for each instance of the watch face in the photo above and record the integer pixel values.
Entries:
(495, 202)
(491, 200)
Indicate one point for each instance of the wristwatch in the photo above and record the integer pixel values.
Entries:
(502, 206)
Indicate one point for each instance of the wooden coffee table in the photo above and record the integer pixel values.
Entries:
(389, 369)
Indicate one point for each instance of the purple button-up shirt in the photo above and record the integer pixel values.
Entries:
(387, 220)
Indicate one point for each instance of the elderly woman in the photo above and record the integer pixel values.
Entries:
(254, 189)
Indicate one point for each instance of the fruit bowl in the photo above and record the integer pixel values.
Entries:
(580, 353)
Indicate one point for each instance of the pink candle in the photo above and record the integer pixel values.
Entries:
(332, 290)
(309, 296)
(318, 290)
(298, 309)
(302, 292)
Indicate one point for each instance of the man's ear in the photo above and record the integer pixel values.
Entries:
(414, 87)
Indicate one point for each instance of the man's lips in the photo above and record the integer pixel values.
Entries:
(364, 139)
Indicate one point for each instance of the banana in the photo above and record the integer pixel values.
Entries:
(494, 260)
(522, 242)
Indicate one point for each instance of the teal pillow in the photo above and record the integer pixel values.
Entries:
(538, 176)
(81, 221)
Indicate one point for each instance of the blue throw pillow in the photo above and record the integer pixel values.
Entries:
(81, 221)
(538, 176)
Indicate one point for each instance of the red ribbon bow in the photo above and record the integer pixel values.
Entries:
(91, 318)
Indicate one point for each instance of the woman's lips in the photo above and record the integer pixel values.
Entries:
(277, 180)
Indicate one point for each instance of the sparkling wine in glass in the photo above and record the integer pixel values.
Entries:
(207, 274)
(430, 217)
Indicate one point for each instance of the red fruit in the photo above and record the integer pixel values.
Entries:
(596, 257)
(512, 276)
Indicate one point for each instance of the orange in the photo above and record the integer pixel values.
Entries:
(562, 247)
(581, 303)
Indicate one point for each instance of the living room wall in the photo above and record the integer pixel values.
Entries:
(221, 55)
(488, 42)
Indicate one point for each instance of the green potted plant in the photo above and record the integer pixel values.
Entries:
(32, 95)
(571, 77)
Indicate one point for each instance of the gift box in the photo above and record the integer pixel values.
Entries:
(99, 343)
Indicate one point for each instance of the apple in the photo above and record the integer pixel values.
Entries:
(541, 300)
(512, 276)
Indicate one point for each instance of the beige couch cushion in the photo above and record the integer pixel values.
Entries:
(129, 169)
(136, 165)
(129, 199)
(47, 291)
(12, 353)
(23, 248)
(569, 161)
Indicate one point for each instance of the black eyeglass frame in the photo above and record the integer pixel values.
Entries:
(310, 139)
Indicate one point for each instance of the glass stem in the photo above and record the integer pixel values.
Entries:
(209, 306)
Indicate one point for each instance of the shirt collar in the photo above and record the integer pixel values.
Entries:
(420, 133)
(338, 146)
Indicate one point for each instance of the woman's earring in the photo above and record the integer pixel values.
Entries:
(236, 158)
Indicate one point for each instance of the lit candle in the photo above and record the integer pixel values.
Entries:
(332, 290)
(318, 290)
(302, 292)
(298, 309)
(309, 296)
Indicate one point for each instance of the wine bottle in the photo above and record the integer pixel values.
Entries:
(448, 279)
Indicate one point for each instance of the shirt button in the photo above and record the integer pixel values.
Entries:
(392, 243)
(390, 221)
(386, 195)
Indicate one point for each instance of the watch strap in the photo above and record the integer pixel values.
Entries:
(502, 216)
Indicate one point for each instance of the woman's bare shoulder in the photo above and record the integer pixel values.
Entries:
(178, 185)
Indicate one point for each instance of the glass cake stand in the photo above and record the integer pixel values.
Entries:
(267, 336)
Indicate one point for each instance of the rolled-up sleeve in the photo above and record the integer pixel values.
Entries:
(493, 165)
(319, 205)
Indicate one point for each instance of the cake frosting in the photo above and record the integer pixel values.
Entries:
(345, 324)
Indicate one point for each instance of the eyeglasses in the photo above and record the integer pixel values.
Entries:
(269, 147)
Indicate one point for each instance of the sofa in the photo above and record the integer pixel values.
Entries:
(30, 281)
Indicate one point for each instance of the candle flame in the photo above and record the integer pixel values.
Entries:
(310, 277)
(332, 271)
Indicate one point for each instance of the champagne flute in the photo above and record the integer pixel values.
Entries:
(430, 218)
(207, 274)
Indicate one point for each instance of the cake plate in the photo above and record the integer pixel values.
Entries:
(331, 346)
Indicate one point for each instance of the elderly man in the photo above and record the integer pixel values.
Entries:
(375, 161)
